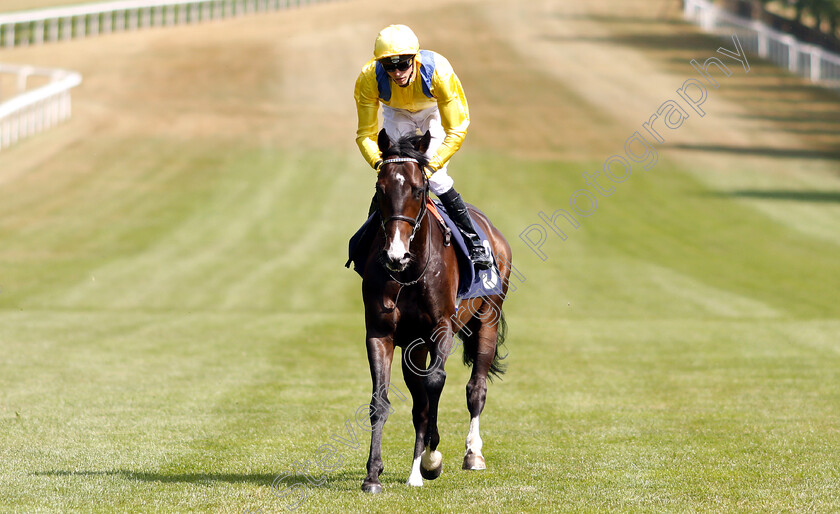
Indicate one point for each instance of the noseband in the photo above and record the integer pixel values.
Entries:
(414, 222)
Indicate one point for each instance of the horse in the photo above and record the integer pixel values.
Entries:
(409, 287)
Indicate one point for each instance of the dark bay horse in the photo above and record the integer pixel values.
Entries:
(410, 282)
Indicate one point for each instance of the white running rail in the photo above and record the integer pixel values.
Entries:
(34, 111)
(38, 109)
(810, 61)
(75, 22)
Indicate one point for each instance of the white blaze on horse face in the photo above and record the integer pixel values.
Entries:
(400, 178)
(415, 479)
(397, 249)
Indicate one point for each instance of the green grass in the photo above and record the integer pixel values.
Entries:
(177, 328)
(176, 337)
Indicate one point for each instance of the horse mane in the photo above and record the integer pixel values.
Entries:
(407, 147)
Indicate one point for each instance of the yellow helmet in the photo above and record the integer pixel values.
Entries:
(395, 40)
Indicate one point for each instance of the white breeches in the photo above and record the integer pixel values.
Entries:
(399, 122)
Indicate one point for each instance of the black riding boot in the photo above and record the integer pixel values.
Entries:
(454, 205)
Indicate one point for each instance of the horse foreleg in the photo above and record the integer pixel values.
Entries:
(431, 461)
(477, 393)
(413, 367)
(380, 353)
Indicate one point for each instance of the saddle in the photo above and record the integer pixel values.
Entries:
(470, 283)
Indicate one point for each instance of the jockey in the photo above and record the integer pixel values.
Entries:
(419, 91)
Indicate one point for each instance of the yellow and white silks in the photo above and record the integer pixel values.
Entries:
(433, 100)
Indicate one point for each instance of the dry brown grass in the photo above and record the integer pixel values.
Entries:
(544, 78)
(28, 5)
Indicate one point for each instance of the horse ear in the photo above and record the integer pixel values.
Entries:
(424, 142)
(383, 141)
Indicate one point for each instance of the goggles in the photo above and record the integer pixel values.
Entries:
(391, 66)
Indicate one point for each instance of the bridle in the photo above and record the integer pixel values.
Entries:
(414, 222)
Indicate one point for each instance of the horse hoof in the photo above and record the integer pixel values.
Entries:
(431, 474)
(431, 464)
(474, 462)
(371, 488)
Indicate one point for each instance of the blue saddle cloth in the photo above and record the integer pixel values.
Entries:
(470, 283)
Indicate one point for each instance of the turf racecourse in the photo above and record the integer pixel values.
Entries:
(177, 329)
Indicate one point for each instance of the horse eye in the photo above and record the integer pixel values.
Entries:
(418, 193)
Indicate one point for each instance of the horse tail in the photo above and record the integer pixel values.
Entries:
(470, 342)
(497, 369)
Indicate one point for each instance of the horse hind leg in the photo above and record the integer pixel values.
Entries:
(476, 396)
(482, 341)
(473, 458)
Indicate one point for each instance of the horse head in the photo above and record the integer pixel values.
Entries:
(401, 191)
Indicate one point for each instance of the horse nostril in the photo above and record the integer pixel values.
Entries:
(406, 257)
